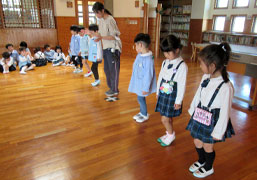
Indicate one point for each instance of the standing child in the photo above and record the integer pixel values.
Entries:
(95, 52)
(84, 47)
(143, 79)
(75, 49)
(6, 63)
(14, 54)
(49, 53)
(211, 107)
(171, 86)
(24, 61)
(59, 57)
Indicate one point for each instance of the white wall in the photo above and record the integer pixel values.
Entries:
(198, 7)
(60, 8)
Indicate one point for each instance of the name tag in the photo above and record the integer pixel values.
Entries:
(167, 87)
(202, 116)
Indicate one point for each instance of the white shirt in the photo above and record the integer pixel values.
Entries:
(223, 101)
(180, 77)
(39, 55)
(58, 56)
(9, 63)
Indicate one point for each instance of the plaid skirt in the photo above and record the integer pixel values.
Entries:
(202, 132)
(165, 103)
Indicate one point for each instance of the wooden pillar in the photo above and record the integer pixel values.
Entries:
(145, 23)
(157, 31)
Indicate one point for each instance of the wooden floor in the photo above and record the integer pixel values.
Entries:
(55, 126)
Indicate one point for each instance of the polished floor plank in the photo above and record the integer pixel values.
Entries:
(55, 126)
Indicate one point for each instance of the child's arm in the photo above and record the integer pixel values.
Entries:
(182, 76)
(226, 103)
(148, 76)
(99, 51)
(159, 79)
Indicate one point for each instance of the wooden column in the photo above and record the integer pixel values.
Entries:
(1, 15)
(157, 31)
(145, 23)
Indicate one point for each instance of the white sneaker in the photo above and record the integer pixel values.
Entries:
(142, 118)
(80, 70)
(195, 166)
(88, 74)
(97, 82)
(63, 64)
(57, 64)
(76, 71)
(203, 174)
(168, 139)
(5, 72)
(137, 116)
(160, 139)
(23, 72)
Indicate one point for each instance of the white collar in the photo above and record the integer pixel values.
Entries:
(146, 54)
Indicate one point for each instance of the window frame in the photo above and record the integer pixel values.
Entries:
(232, 21)
(215, 5)
(214, 19)
(255, 4)
(254, 23)
(244, 7)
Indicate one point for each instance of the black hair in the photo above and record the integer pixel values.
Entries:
(99, 7)
(171, 43)
(6, 55)
(218, 55)
(46, 46)
(7, 45)
(37, 49)
(80, 28)
(93, 27)
(58, 47)
(74, 28)
(23, 44)
(22, 49)
(144, 38)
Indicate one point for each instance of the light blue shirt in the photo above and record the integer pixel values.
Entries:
(95, 50)
(84, 45)
(143, 76)
(23, 60)
(75, 45)
(49, 55)
(15, 56)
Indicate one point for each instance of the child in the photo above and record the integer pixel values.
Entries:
(75, 49)
(39, 57)
(25, 45)
(59, 57)
(84, 45)
(6, 63)
(49, 53)
(95, 52)
(14, 54)
(24, 61)
(143, 79)
(171, 86)
(213, 100)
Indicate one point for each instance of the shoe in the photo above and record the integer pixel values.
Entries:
(109, 93)
(5, 72)
(72, 65)
(63, 64)
(168, 140)
(88, 74)
(80, 70)
(97, 82)
(137, 116)
(23, 72)
(57, 64)
(204, 173)
(160, 139)
(195, 166)
(142, 118)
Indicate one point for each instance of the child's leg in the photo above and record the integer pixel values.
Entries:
(74, 60)
(80, 62)
(84, 61)
(32, 66)
(200, 150)
(6, 68)
(94, 69)
(12, 68)
(23, 70)
(142, 103)
(168, 124)
(209, 156)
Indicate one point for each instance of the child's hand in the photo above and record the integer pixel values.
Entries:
(99, 60)
(79, 53)
(177, 106)
(99, 37)
(156, 96)
(144, 93)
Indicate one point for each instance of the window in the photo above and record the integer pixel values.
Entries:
(27, 14)
(91, 14)
(238, 23)
(241, 3)
(219, 23)
(221, 4)
(80, 13)
(254, 30)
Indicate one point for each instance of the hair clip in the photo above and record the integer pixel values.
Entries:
(225, 65)
(223, 47)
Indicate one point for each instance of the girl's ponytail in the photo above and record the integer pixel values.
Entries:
(225, 58)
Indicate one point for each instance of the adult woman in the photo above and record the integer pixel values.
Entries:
(109, 34)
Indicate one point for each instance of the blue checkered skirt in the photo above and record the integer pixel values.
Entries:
(165, 103)
(203, 132)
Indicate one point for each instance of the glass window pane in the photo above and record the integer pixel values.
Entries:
(90, 8)
(238, 24)
(219, 23)
(81, 21)
(255, 25)
(221, 3)
(92, 20)
(80, 8)
(241, 3)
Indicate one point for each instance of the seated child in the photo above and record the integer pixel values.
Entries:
(95, 54)
(13, 53)
(6, 63)
(25, 45)
(24, 61)
(39, 57)
(59, 57)
(49, 53)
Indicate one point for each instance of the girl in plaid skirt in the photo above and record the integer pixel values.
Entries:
(210, 108)
(170, 86)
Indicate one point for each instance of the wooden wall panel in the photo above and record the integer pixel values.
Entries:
(63, 30)
(151, 31)
(195, 33)
(34, 37)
